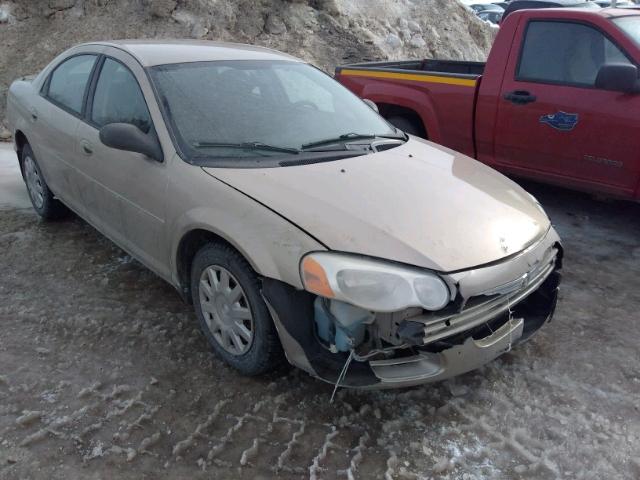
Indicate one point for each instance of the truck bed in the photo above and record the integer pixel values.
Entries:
(448, 67)
(441, 92)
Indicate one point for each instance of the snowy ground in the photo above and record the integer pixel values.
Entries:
(104, 374)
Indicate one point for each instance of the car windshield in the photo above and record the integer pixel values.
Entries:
(630, 26)
(259, 108)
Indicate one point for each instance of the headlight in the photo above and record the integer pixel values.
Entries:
(371, 284)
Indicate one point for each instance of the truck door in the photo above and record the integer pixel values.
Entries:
(554, 124)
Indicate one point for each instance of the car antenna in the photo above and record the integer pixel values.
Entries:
(343, 374)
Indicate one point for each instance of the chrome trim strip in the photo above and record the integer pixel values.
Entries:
(522, 281)
(473, 283)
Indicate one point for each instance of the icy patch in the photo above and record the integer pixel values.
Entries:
(28, 417)
(96, 451)
(13, 193)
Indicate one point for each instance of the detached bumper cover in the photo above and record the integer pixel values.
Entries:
(472, 349)
(431, 367)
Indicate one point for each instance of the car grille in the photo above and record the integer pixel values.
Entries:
(483, 308)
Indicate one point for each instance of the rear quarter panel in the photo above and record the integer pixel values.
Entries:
(22, 98)
(17, 101)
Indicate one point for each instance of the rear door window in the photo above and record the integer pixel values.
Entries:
(118, 98)
(68, 82)
(565, 53)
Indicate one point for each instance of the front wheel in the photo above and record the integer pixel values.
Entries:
(231, 311)
(41, 197)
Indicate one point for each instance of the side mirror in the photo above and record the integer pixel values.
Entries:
(372, 104)
(619, 77)
(125, 136)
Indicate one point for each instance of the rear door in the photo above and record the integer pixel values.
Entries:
(128, 189)
(56, 117)
(553, 123)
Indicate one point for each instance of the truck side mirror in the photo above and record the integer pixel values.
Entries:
(372, 104)
(619, 77)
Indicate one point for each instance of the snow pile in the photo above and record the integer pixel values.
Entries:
(324, 32)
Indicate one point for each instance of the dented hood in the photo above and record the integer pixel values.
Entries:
(418, 203)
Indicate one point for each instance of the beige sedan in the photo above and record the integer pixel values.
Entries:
(298, 222)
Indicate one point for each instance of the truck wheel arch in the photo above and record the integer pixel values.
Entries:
(406, 101)
(397, 116)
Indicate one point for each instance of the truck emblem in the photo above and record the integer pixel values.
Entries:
(563, 121)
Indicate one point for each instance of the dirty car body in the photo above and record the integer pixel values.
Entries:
(365, 245)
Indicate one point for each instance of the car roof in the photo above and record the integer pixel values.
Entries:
(161, 52)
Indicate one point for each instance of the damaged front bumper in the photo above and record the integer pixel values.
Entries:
(430, 367)
(500, 306)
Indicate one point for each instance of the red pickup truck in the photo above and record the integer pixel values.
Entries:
(558, 99)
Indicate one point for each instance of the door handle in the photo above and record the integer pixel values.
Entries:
(519, 97)
(86, 147)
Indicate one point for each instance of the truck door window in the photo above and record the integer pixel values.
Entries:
(118, 98)
(565, 53)
(68, 82)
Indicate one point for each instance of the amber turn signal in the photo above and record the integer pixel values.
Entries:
(315, 279)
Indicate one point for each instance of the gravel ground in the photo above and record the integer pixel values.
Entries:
(104, 374)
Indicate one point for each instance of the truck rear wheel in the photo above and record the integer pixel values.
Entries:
(407, 125)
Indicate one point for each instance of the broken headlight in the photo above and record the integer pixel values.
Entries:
(374, 285)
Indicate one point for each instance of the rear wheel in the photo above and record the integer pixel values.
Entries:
(41, 197)
(231, 310)
(407, 125)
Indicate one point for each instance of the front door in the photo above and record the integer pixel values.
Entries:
(553, 123)
(128, 191)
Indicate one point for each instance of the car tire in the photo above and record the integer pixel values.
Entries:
(407, 125)
(222, 310)
(42, 199)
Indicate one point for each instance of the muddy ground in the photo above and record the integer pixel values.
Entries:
(104, 374)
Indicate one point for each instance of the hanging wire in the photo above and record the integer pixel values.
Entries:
(343, 374)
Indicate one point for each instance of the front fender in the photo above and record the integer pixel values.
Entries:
(270, 243)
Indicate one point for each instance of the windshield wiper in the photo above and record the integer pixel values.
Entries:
(349, 136)
(247, 146)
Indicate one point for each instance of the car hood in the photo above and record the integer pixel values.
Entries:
(419, 204)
